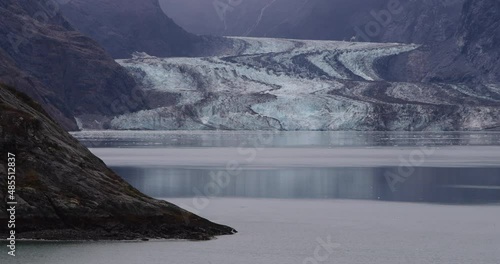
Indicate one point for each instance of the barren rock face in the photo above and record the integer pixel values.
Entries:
(65, 192)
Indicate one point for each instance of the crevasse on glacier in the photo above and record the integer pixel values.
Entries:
(263, 84)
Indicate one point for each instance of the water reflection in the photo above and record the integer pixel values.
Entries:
(282, 138)
(434, 185)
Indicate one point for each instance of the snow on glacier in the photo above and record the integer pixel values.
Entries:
(295, 113)
(360, 62)
(264, 83)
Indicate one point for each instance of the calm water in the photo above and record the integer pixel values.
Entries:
(378, 197)
(283, 139)
(435, 185)
(454, 167)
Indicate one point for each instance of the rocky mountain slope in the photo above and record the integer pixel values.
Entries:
(65, 192)
(123, 27)
(303, 85)
(68, 73)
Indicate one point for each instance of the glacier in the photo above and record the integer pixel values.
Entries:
(268, 84)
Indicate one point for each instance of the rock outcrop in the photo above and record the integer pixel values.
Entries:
(64, 192)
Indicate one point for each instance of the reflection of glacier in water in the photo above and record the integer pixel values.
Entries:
(310, 139)
(463, 167)
(439, 185)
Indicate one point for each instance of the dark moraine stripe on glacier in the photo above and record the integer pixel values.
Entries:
(267, 84)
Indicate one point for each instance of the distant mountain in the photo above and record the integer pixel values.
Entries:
(123, 27)
(64, 192)
(68, 73)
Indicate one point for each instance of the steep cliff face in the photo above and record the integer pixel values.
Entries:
(123, 27)
(64, 192)
(68, 73)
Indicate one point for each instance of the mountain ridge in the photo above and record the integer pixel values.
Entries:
(127, 26)
(68, 73)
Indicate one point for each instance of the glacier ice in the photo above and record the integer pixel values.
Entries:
(263, 84)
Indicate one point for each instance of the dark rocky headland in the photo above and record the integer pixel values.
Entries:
(64, 192)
